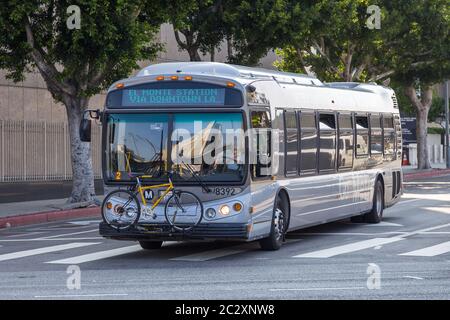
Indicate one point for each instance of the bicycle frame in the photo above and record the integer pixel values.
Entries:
(141, 190)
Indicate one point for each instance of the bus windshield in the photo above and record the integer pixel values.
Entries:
(210, 145)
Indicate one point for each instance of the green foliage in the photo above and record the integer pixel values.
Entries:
(416, 40)
(434, 130)
(200, 21)
(113, 36)
(331, 39)
(256, 26)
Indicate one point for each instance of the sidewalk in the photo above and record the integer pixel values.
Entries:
(16, 214)
(410, 172)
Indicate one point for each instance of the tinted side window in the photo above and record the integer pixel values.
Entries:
(261, 144)
(376, 137)
(362, 135)
(345, 157)
(291, 138)
(389, 137)
(327, 142)
(308, 143)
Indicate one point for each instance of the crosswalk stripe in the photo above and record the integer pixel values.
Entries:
(430, 251)
(208, 255)
(351, 247)
(33, 252)
(98, 255)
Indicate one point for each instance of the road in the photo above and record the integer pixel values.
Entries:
(405, 256)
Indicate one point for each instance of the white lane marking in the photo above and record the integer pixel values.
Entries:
(347, 248)
(318, 289)
(429, 251)
(208, 255)
(83, 295)
(345, 233)
(407, 201)
(24, 234)
(70, 234)
(84, 222)
(53, 239)
(419, 231)
(413, 277)
(383, 224)
(33, 252)
(98, 255)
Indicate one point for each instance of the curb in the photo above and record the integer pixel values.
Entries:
(42, 217)
(426, 174)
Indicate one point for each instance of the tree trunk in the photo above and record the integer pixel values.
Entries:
(193, 54)
(229, 48)
(82, 172)
(213, 54)
(422, 107)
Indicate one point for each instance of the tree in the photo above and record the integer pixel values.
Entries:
(331, 40)
(252, 28)
(77, 63)
(201, 24)
(416, 48)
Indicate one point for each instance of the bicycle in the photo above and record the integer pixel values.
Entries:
(121, 209)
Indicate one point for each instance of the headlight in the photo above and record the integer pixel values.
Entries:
(210, 213)
(224, 210)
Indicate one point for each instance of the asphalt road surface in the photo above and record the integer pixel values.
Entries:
(407, 256)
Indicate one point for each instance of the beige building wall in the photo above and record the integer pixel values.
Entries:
(30, 100)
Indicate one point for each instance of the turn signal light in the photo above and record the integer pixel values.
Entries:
(230, 84)
(174, 78)
(188, 78)
(159, 78)
(237, 207)
(120, 85)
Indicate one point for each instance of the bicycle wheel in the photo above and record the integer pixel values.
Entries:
(183, 210)
(121, 209)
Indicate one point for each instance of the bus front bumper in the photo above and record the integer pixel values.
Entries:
(221, 231)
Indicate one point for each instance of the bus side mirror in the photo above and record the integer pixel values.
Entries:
(86, 123)
(85, 128)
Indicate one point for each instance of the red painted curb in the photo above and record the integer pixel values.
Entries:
(427, 174)
(41, 217)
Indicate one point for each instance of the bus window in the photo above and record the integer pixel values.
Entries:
(376, 136)
(261, 144)
(327, 142)
(291, 138)
(389, 136)
(345, 157)
(362, 135)
(308, 143)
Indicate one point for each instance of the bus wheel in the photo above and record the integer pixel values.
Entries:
(278, 229)
(148, 245)
(376, 214)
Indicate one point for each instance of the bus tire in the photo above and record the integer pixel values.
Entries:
(376, 214)
(278, 228)
(149, 245)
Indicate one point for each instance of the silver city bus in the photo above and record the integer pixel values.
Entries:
(214, 151)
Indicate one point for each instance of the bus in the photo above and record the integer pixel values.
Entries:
(262, 153)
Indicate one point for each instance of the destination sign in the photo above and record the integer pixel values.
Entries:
(175, 96)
